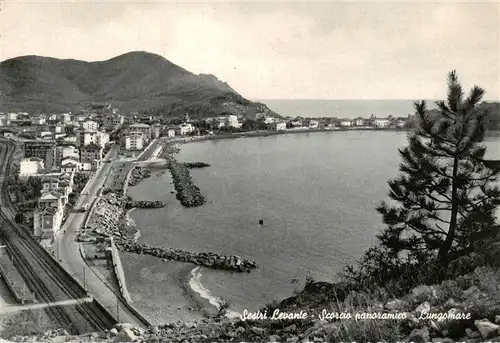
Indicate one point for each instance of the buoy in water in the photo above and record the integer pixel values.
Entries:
(261, 221)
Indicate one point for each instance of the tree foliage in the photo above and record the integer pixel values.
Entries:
(443, 203)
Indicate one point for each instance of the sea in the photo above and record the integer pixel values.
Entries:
(316, 193)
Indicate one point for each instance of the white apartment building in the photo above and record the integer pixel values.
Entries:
(232, 121)
(134, 141)
(84, 138)
(185, 128)
(381, 122)
(346, 122)
(142, 128)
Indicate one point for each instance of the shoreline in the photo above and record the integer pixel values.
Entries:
(201, 296)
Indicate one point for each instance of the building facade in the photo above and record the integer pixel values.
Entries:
(46, 150)
(145, 129)
(134, 141)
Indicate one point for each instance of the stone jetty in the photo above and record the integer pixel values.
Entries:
(108, 219)
(210, 260)
(144, 204)
(191, 165)
(186, 191)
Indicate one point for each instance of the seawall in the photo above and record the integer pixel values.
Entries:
(118, 269)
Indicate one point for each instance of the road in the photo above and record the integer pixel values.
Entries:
(44, 276)
(68, 252)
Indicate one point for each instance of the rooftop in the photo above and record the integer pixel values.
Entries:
(139, 125)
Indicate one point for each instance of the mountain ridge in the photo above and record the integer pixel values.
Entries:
(136, 81)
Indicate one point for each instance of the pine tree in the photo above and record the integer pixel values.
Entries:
(443, 203)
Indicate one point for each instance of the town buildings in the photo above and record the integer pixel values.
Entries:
(141, 128)
(91, 154)
(89, 126)
(47, 218)
(279, 126)
(232, 121)
(185, 129)
(91, 137)
(171, 133)
(381, 122)
(156, 130)
(30, 166)
(313, 124)
(346, 122)
(134, 141)
(45, 150)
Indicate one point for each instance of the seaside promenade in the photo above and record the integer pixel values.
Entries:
(69, 255)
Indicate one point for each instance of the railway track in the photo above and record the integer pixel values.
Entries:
(43, 274)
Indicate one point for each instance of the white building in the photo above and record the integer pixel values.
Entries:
(269, 120)
(70, 165)
(359, 121)
(30, 166)
(280, 126)
(171, 133)
(65, 118)
(89, 125)
(346, 122)
(84, 138)
(232, 121)
(381, 122)
(37, 120)
(102, 138)
(12, 116)
(313, 124)
(134, 141)
(185, 128)
(142, 128)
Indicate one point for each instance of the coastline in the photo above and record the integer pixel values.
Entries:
(199, 295)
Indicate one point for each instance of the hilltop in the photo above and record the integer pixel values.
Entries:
(135, 81)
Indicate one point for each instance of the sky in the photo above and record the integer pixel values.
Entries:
(278, 50)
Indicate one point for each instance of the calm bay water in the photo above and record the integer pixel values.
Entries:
(316, 192)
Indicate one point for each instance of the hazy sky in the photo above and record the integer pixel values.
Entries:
(326, 50)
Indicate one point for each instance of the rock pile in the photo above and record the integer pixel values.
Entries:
(207, 259)
(108, 219)
(144, 204)
(191, 165)
(137, 175)
(186, 191)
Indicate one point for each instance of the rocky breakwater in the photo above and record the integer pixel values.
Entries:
(109, 219)
(137, 175)
(187, 192)
(143, 204)
(210, 260)
(191, 165)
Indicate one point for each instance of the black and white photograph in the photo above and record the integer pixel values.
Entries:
(249, 171)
